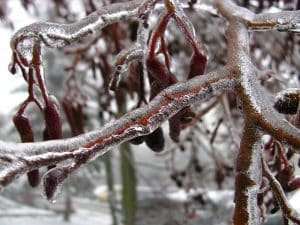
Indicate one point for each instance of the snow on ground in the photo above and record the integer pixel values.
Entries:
(86, 212)
(77, 219)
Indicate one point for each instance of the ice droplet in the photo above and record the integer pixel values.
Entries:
(280, 21)
(53, 183)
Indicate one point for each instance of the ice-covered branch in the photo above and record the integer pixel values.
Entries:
(287, 21)
(248, 177)
(259, 102)
(27, 156)
(59, 35)
(239, 75)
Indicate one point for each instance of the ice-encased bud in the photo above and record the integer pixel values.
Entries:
(155, 141)
(287, 103)
(53, 182)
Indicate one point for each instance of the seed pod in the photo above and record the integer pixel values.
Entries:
(24, 128)
(183, 116)
(53, 129)
(157, 72)
(75, 116)
(33, 178)
(25, 131)
(197, 65)
(155, 141)
(137, 141)
(52, 183)
(52, 121)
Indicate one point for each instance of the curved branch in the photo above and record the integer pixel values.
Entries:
(288, 21)
(59, 35)
(256, 101)
(136, 123)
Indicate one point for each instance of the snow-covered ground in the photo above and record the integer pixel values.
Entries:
(85, 212)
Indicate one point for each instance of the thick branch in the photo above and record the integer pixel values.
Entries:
(288, 21)
(248, 177)
(139, 122)
(59, 35)
(258, 102)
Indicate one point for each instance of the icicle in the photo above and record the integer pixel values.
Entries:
(123, 61)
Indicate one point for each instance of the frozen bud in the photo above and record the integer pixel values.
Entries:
(157, 71)
(33, 178)
(287, 103)
(53, 182)
(137, 141)
(25, 131)
(24, 128)
(52, 121)
(155, 141)
(184, 116)
(197, 65)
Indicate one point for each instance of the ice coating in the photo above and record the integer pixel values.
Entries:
(288, 91)
(248, 175)
(179, 13)
(139, 122)
(59, 35)
(53, 183)
(240, 75)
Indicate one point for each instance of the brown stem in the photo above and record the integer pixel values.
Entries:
(287, 210)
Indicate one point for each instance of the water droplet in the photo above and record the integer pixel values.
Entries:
(280, 21)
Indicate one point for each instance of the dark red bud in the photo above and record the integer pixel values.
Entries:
(155, 141)
(197, 65)
(24, 128)
(25, 131)
(183, 116)
(33, 178)
(53, 181)
(52, 121)
(157, 71)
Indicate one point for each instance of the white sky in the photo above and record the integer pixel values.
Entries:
(8, 82)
